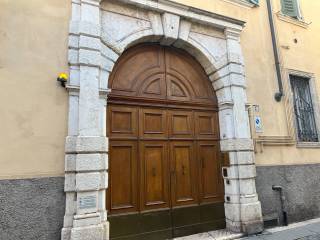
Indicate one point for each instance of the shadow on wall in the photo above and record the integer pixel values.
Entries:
(301, 190)
(32, 208)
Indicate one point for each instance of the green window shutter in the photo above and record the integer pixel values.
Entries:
(290, 8)
(256, 2)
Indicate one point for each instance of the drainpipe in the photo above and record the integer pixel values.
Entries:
(282, 200)
(278, 95)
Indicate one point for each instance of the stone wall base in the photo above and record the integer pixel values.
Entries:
(301, 189)
(249, 228)
(31, 208)
(96, 232)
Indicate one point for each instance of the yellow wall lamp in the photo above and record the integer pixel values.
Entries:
(62, 78)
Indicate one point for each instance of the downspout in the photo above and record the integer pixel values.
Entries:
(282, 201)
(261, 140)
(278, 95)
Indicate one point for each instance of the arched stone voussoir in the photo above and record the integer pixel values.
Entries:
(199, 53)
(148, 36)
(206, 61)
(136, 38)
(132, 27)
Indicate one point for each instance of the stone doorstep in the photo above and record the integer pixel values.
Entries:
(222, 234)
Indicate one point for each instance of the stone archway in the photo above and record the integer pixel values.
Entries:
(99, 33)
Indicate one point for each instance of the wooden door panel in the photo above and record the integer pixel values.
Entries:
(186, 79)
(154, 175)
(154, 86)
(153, 123)
(206, 125)
(183, 177)
(162, 126)
(123, 190)
(122, 122)
(180, 124)
(178, 89)
(134, 70)
(211, 184)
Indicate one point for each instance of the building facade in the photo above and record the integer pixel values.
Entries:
(177, 117)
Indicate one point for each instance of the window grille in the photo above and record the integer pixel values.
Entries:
(303, 108)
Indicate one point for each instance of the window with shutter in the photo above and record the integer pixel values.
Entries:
(290, 8)
(303, 108)
(256, 2)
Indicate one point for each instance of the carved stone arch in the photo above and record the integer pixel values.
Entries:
(203, 57)
(100, 31)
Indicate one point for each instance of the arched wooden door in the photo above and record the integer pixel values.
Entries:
(164, 159)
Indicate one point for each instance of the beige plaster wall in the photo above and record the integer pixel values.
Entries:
(301, 56)
(33, 120)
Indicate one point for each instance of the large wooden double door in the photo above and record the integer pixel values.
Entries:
(171, 159)
(164, 159)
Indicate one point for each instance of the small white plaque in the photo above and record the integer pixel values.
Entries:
(88, 202)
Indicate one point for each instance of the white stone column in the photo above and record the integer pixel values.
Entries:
(86, 144)
(242, 207)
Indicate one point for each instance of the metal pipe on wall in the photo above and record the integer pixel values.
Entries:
(282, 200)
(278, 95)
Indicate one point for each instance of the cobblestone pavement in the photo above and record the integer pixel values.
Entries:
(309, 230)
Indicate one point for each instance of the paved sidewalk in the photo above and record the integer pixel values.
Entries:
(308, 230)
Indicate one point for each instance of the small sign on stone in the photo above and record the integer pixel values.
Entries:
(88, 202)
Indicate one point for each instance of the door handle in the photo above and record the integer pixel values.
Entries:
(183, 170)
(202, 163)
